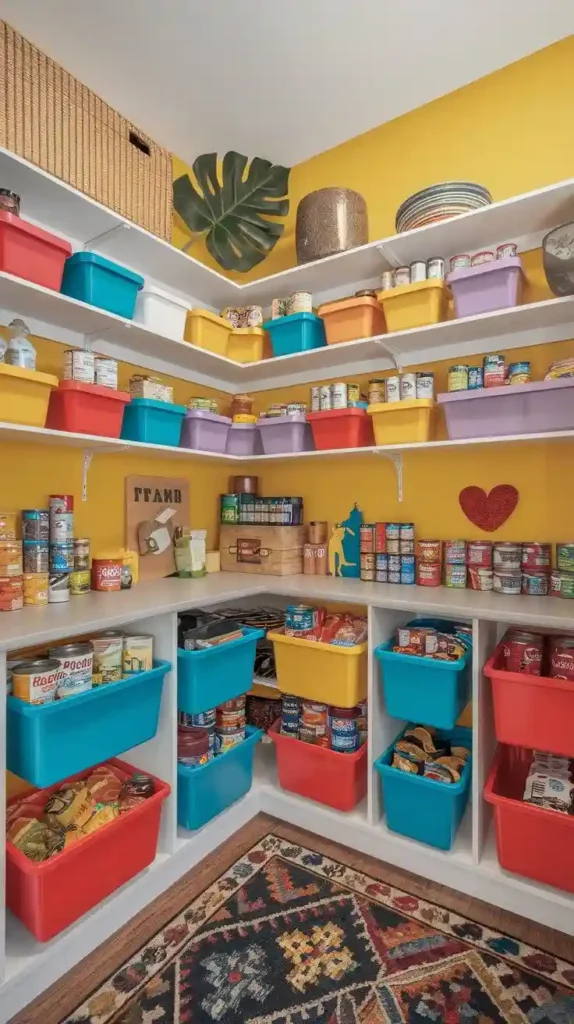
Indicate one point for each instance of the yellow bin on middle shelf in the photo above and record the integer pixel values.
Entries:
(414, 305)
(403, 422)
(207, 330)
(323, 672)
(248, 344)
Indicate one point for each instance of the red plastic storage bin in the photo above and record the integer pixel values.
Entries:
(86, 409)
(341, 428)
(531, 711)
(337, 780)
(530, 840)
(49, 896)
(29, 252)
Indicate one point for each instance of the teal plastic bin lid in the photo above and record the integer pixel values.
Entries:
(152, 403)
(104, 264)
(293, 318)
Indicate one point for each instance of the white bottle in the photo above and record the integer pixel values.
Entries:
(20, 351)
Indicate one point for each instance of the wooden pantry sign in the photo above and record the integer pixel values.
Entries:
(155, 506)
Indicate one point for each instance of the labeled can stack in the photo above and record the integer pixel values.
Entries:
(11, 566)
(88, 368)
(495, 372)
(506, 567)
(203, 736)
(69, 558)
(387, 552)
(343, 730)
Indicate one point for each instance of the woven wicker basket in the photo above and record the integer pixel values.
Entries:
(51, 119)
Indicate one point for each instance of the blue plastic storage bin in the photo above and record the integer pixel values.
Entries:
(297, 332)
(420, 808)
(146, 419)
(204, 792)
(102, 283)
(48, 742)
(210, 677)
(422, 689)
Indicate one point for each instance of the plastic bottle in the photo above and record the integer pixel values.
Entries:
(20, 351)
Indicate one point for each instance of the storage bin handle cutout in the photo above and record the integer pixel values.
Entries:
(249, 550)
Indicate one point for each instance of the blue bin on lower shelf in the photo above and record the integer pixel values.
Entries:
(101, 282)
(425, 690)
(297, 332)
(420, 808)
(212, 676)
(146, 419)
(204, 792)
(48, 742)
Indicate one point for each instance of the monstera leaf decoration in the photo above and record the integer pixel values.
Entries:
(232, 210)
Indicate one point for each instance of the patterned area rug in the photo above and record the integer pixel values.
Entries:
(288, 936)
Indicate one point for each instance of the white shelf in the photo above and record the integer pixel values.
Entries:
(95, 443)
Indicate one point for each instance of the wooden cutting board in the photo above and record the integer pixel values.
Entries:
(155, 505)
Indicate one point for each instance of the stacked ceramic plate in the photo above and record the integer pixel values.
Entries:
(439, 202)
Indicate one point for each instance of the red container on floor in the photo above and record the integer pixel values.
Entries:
(49, 896)
(29, 252)
(531, 711)
(337, 780)
(341, 428)
(86, 409)
(530, 840)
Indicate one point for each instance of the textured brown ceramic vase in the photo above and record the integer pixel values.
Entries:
(330, 220)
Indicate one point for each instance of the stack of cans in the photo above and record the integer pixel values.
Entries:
(387, 552)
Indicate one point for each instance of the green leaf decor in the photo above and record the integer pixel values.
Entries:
(232, 209)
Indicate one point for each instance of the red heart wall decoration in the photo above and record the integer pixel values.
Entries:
(488, 511)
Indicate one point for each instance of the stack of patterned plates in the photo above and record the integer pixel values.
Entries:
(439, 202)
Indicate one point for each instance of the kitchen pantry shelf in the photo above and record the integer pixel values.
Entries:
(68, 321)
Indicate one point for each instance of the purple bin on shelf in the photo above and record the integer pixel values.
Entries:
(490, 286)
(204, 431)
(286, 434)
(511, 409)
(244, 439)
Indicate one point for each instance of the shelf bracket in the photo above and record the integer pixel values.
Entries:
(397, 459)
(105, 235)
(88, 454)
(86, 463)
(393, 354)
(88, 339)
(389, 255)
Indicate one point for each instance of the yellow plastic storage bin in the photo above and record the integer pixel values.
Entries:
(207, 330)
(403, 422)
(414, 305)
(24, 395)
(322, 672)
(247, 344)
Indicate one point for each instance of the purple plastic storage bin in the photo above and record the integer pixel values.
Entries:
(244, 439)
(490, 286)
(286, 434)
(512, 409)
(204, 431)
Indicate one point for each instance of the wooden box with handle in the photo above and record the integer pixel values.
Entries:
(274, 550)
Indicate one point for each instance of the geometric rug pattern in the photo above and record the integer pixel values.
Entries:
(289, 936)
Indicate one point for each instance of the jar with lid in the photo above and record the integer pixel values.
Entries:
(241, 405)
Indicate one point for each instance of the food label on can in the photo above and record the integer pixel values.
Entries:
(36, 687)
(339, 395)
(80, 582)
(106, 372)
(79, 365)
(393, 389)
(138, 654)
(425, 385)
(75, 672)
(107, 665)
(325, 397)
(408, 386)
(315, 399)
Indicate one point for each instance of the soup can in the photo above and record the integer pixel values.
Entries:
(108, 651)
(458, 377)
(507, 582)
(225, 741)
(408, 386)
(35, 524)
(376, 391)
(339, 395)
(479, 553)
(107, 573)
(80, 582)
(565, 556)
(418, 271)
(353, 392)
(315, 399)
(402, 276)
(394, 576)
(62, 557)
(562, 658)
(507, 556)
(480, 577)
(137, 654)
(81, 554)
(11, 558)
(75, 661)
(435, 268)
(325, 398)
(36, 682)
(522, 652)
(8, 525)
(58, 587)
(344, 730)
(393, 389)
(536, 584)
(35, 586)
(36, 556)
(425, 384)
(519, 373)
(387, 280)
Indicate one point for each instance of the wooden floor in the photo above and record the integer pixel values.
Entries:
(60, 1000)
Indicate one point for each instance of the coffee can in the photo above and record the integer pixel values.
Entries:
(425, 384)
(393, 389)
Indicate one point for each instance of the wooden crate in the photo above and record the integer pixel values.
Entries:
(276, 550)
(55, 122)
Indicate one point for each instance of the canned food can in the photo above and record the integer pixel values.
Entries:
(138, 654)
(506, 249)
(315, 399)
(394, 576)
(75, 661)
(402, 276)
(394, 562)
(229, 508)
(254, 314)
(367, 534)
(408, 575)
(62, 557)
(485, 256)
(507, 556)
(8, 526)
(376, 391)
(392, 531)
(368, 561)
(475, 378)
(367, 575)
(108, 650)
(387, 280)
(58, 587)
(406, 547)
(382, 575)
(80, 582)
(79, 364)
(519, 373)
(382, 561)
(479, 577)
(455, 575)
(536, 584)
(418, 271)
(555, 583)
(393, 389)
(495, 378)
(562, 658)
(462, 259)
(507, 582)
(522, 652)
(106, 573)
(567, 584)
(344, 734)
(35, 587)
(425, 384)
(455, 552)
(408, 386)
(36, 681)
(61, 527)
(325, 403)
(494, 361)
(300, 302)
(536, 555)
(407, 531)
(106, 372)
(380, 538)
(81, 554)
(11, 593)
(428, 574)
(353, 392)
(429, 551)
(435, 269)
(201, 720)
(225, 741)
(35, 524)
(479, 553)
(339, 395)
(458, 377)
(565, 556)
(61, 503)
(36, 556)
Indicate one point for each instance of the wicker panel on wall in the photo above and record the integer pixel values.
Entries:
(54, 121)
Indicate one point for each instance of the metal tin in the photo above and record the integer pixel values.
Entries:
(429, 574)
(367, 537)
(315, 399)
(536, 555)
(81, 553)
(418, 271)
(509, 582)
(484, 256)
(493, 362)
(408, 386)
(402, 276)
(458, 377)
(36, 681)
(79, 364)
(62, 557)
(555, 583)
(562, 658)
(225, 741)
(10, 201)
(407, 531)
(80, 582)
(75, 661)
(455, 552)
(298, 302)
(479, 553)
(10, 558)
(393, 546)
(62, 527)
(392, 531)
(429, 551)
(35, 556)
(380, 538)
(406, 547)
(35, 589)
(229, 508)
(407, 569)
(424, 384)
(106, 372)
(61, 503)
(495, 378)
(506, 249)
(106, 573)
(393, 389)
(455, 575)
(507, 556)
(202, 720)
(344, 730)
(325, 398)
(339, 395)
(381, 561)
(394, 576)
(522, 652)
(394, 563)
(35, 524)
(58, 587)
(382, 575)
(435, 269)
(519, 373)
(11, 593)
(367, 561)
(353, 392)
(462, 259)
(479, 577)
(367, 575)
(475, 378)
(565, 556)
(387, 280)
(567, 584)
(108, 650)
(138, 655)
(8, 522)
(535, 583)
(376, 390)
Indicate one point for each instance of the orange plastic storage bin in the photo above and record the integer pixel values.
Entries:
(350, 319)
(341, 428)
(32, 253)
(414, 305)
(337, 780)
(531, 711)
(530, 840)
(50, 895)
